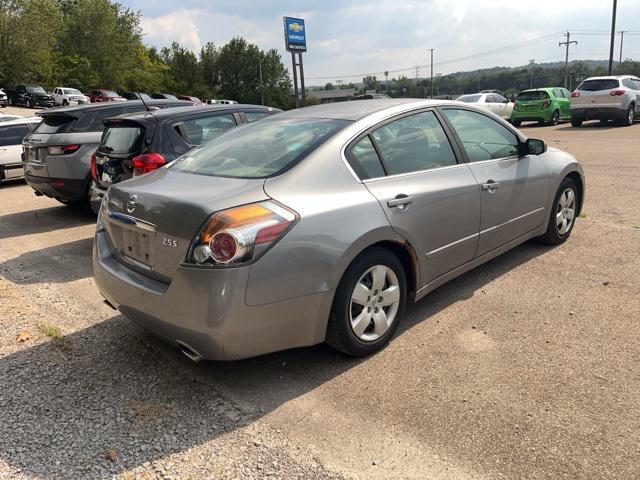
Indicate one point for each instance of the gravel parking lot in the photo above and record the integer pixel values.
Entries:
(527, 367)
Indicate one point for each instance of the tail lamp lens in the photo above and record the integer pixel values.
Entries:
(241, 234)
(62, 149)
(94, 168)
(575, 94)
(616, 93)
(146, 163)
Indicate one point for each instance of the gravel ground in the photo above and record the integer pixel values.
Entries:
(527, 367)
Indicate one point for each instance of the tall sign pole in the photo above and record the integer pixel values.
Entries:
(613, 35)
(295, 38)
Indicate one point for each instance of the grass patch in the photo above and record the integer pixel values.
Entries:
(583, 215)
(51, 330)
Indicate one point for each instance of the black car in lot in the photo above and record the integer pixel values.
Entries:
(139, 143)
(30, 96)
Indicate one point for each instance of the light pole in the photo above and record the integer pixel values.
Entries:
(621, 43)
(613, 35)
(431, 84)
(261, 84)
(531, 64)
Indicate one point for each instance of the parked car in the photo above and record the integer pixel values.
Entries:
(69, 96)
(370, 96)
(189, 98)
(542, 105)
(163, 96)
(30, 96)
(3, 99)
(137, 143)
(222, 102)
(606, 98)
(57, 155)
(493, 102)
(136, 96)
(322, 223)
(11, 134)
(97, 96)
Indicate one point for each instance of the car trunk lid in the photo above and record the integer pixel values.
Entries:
(151, 220)
(597, 92)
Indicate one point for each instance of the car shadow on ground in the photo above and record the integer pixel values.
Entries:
(68, 401)
(43, 220)
(56, 264)
(592, 126)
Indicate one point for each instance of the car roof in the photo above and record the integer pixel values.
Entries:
(78, 109)
(610, 77)
(21, 121)
(176, 112)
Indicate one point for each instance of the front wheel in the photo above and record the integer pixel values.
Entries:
(28, 103)
(576, 122)
(369, 304)
(555, 118)
(631, 113)
(516, 123)
(563, 213)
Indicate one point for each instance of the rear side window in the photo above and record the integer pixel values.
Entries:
(469, 98)
(253, 116)
(12, 135)
(413, 143)
(56, 124)
(364, 159)
(558, 93)
(203, 129)
(535, 95)
(597, 85)
(630, 83)
(124, 139)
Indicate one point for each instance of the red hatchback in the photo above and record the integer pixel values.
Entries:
(195, 100)
(105, 96)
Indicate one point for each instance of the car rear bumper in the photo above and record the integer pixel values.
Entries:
(536, 116)
(205, 310)
(59, 188)
(11, 170)
(598, 113)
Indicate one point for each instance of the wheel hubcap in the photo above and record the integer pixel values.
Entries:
(374, 303)
(566, 211)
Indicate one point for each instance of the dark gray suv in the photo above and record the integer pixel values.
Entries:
(57, 154)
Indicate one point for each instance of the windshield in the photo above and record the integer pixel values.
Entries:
(126, 139)
(261, 149)
(469, 98)
(534, 95)
(108, 93)
(71, 91)
(596, 85)
(36, 90)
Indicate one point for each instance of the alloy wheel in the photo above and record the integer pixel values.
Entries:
(374, 303)
(555, 118)
(631, 114)
(566, 211)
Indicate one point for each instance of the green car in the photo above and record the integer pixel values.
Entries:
(543, 105)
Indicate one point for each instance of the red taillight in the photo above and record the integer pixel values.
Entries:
(94, 168)
(224, 247)
(575, 94)
(62, 149)
(147, 162)
(616, 93)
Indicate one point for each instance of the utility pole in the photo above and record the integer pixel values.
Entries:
(621, 42)
(339, 83)
(566, 58)
(531, 64)
(613, 35)
(261, 84)
(386, 80)
(431, 84)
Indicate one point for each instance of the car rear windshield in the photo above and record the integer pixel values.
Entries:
(56, 124)
(259, 150)
(528, 96)
(597, 85)
(469, 98)
(122, 139)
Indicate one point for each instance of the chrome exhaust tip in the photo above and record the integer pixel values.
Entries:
(189, 352)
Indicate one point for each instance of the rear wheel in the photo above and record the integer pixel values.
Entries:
(369, 304)
(576, 122)
(516, 123)
(555, 118)
(563, 213)
(28, 103)
(631, 113)
(64, 103)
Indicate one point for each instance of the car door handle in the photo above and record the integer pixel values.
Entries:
(401, 201)
(490, 186)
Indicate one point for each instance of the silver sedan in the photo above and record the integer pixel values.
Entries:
(323, 223)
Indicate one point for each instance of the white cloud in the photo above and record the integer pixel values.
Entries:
(179, 26)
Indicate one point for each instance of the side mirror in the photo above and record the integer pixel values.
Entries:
(533, 146)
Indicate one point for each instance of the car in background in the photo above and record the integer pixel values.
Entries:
(214, 101)
(493, 102)
(163, 96)
(614, 98)
(11, 134)
(99, 95)
(30, 96)
(370, 96)
(543, 105)
(69, 96)
(138, 143)
(189, 98)
(57, 155)
(136, 96)
(3, 99)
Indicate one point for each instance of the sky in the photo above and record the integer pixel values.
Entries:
(349, 38)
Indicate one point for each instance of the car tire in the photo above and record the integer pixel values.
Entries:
(631, 113)
(9, 102)
(516, 123)
(65, 103)
(28, 105)
(555, 118)
(359, 322)
(576, 122)
(563, 213)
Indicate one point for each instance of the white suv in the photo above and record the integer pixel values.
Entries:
(69, 96)
(606, 98)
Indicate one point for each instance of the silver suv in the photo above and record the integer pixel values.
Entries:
(606, 98)
(57, 155)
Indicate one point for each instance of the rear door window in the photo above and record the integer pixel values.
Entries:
(56, 124)
(12, 134)
(364, 159)
(203, 129)
(597, 85)
(122, 139)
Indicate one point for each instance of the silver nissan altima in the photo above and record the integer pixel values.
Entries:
(323, 223)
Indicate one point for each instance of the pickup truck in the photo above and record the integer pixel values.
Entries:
(3, 99)
(69, 96)
(98, 95)
(30, 96)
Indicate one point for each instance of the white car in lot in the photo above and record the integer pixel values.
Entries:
(493, 102)
(11, 134)
(3, 99)
(606, 98)
(69, 96)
